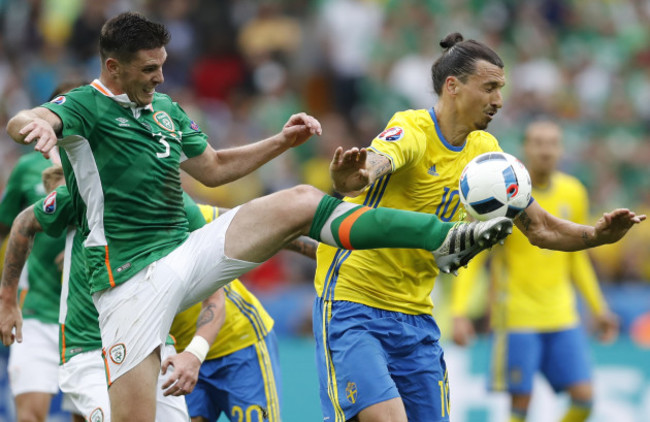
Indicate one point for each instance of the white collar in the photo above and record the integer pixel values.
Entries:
(121, 99)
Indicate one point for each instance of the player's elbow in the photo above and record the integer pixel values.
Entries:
(537, 238)
(13, 129)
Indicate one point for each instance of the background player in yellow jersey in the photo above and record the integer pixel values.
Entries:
(241, 374)
(534, 316)
(378, 354)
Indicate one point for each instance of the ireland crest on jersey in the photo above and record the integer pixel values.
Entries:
(164, 121)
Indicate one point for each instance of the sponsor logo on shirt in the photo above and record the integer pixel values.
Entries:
(123, 121)
(432, 171)
(117, 352)
(351, 392)
(394, 133)
(163, 120)
(58, 100)
(49, 205)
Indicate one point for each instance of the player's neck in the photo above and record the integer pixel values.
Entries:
(110, 83)
(455, 133)
(540, 180)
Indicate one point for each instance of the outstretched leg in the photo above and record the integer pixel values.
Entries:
(263, 226)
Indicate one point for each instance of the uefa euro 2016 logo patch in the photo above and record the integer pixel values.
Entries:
(58, 100)
(49, 205)
(195, 126)
(394, 133)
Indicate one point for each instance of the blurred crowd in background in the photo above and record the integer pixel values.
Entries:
(241, 67)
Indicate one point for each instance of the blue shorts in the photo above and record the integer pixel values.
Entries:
(367, 355)
(561, 356)
(244, 384)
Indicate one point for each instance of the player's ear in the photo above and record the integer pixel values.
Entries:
(113, 67)
(451, 85)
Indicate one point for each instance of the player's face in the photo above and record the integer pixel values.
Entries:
(543, 147)
(479, 98)
(140, 76)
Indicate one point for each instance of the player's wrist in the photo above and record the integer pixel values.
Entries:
(199, 347)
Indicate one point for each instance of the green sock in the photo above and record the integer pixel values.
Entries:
(579, 411)
(352, 226)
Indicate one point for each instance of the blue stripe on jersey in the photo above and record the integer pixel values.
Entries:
(373, 197)
(447, 145)
(249, 311)
(335, 267)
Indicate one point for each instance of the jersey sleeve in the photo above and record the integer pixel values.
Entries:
(74, 110)
(401, 142)
(195, 141)
(193, 212)
(12, 198)
(54, 212)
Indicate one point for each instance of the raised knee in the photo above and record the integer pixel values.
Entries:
(305, 195)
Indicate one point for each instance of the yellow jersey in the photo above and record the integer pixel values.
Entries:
(424, 178)
(246, 321)
(532, 288)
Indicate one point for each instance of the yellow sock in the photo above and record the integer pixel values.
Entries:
(517, 415)
(578, 412)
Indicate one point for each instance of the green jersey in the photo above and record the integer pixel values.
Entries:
(78, 317)
(25, 187)
(122, 167)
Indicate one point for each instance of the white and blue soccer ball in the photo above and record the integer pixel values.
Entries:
(494, 184)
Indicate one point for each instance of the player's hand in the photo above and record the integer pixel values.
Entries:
(10, 317)
(607, 327)
(463, 331)
(348, 170)
(184, 376)
(41, 132)
(299, 128)
(613, 225)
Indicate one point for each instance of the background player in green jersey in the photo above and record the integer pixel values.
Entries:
(534, 316)
(124, 144)
(377, 345)
(32, 366)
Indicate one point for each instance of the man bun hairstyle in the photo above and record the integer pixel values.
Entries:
(459, 59)
(127, 33)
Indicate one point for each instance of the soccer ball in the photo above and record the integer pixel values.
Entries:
(494, 184)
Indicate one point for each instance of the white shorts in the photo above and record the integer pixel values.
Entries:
(34, 364)
(135, 316)
(83, 382)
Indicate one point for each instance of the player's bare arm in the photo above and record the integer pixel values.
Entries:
(547, 231)
(303, 245)
(217, 167)
(355, 169)
(187, 364)
(22, 234)
(38, 125)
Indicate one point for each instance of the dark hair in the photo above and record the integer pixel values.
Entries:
(459, 59)
(66, 86)
(127, 33)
